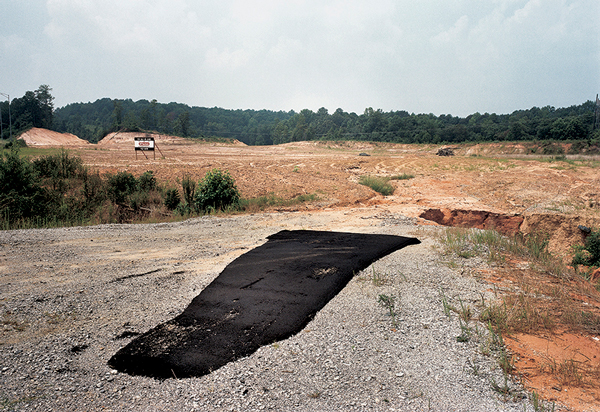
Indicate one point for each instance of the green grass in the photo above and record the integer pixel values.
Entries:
(468, 243)
(378, 184)
(271, 200)
(403, 176)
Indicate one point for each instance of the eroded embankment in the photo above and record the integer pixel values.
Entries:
(562, 231)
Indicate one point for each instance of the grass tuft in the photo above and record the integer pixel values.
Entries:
(403, 176)
(378, 184)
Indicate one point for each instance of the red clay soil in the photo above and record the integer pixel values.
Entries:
(562, 367)
(479, 182)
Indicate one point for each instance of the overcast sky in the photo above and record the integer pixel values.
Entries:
(423, 56)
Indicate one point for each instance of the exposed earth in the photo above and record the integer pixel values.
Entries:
(484, 185)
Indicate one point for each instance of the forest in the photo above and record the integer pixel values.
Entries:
(93, 120)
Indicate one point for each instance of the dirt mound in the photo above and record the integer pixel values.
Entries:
(127, 138)
(117, 138)
(561, 230)
(44, 137)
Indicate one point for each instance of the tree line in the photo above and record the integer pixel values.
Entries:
(34, 109)
(92, 121)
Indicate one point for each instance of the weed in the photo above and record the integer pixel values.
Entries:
(447, 307)
(504, 390)
(389, 302)
(189, 188)
(465, 332)
(9, 320)
(506, 362)
(377, 278)
(475, 369)
(570, 373)
(538, 404)
(517, 313)
(465, 311)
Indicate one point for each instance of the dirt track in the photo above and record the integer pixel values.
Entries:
(479, 177)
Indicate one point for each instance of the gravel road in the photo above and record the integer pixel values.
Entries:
(71, 297)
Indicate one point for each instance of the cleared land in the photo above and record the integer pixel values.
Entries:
(551, 196)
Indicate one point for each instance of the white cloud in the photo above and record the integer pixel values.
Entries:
(426, 56)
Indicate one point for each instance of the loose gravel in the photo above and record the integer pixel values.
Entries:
(71, 297)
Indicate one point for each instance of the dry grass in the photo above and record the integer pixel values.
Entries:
(544, 296)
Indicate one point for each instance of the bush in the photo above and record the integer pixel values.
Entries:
(189, 188)
(216, 191)
(59, 166)
(93, 190)
(589, 254)
(147, 181)
(20, 194)
(172, 199)
(16, 143)
(120, 186)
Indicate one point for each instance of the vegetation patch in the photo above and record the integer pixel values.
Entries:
(261, 203)
(540, 295)
(589, 253)
(403, 176)
(378, 184)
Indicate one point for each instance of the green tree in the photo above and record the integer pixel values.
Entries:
(46, 105)
(117, 114)
(183, 124)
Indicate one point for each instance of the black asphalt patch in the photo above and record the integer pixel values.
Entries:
(268, 294)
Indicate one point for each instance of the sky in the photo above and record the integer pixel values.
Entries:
(443, 57)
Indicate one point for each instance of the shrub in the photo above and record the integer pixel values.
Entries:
(20, 194)
(16, 143)
(59, 166)
(147, 181)
(93, 190)
(189, 189)
(589, 254)
(172, 198)
(216, 191)
(120, 186)
(378, 184)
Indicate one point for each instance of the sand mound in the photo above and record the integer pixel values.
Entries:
(44, 137)
(117, 138)
(127, 138)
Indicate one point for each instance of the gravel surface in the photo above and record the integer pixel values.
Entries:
(70, 298)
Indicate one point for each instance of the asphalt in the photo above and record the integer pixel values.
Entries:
(268, 294)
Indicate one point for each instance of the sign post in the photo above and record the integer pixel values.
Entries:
(144, 144)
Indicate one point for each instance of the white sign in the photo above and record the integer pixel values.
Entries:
(144, 143)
